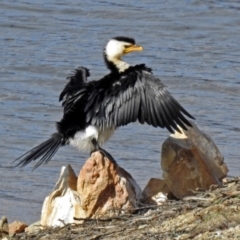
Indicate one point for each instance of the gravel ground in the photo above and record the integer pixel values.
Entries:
(207, 215)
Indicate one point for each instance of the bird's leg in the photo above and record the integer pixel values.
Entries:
(104, 152)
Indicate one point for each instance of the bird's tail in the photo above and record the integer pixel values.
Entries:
(44, 152)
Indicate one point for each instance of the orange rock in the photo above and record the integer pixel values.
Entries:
(191, 163)
(17, 227)
(105, 188)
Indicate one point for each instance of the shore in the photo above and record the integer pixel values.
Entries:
(208, 215)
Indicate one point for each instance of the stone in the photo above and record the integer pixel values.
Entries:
(4, 228)
(34, 227)
(191, 163)
(58, 208)
(156, 192)
(16, 227)
(102, 189)
(207, 147)
(105, 189)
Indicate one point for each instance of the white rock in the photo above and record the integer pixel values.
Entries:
(58, 207)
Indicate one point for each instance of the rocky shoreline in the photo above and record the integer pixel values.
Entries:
(194, 200)
(207, 215)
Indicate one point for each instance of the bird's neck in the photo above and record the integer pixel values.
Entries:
(115, 64)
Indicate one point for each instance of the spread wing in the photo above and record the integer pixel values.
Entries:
(76, 80)
(134, 96)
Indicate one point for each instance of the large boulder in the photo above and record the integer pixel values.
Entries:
(105, 188)
(101, 189)
(191, 160)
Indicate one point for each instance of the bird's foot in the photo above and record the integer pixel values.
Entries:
(108, 155)
(104, 152)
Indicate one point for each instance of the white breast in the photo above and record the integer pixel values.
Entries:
(83, 139)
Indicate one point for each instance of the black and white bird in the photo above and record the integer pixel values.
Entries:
(93, 110)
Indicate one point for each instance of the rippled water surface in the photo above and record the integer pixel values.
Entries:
(193, 46)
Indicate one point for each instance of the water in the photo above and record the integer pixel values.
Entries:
(192, 45)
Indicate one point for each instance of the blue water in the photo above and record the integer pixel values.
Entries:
(193, 46)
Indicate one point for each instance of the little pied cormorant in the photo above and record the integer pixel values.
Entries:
(93, 110)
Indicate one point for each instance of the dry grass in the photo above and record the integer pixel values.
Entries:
(208, 215)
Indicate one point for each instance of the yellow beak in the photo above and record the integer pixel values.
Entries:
(133, 48)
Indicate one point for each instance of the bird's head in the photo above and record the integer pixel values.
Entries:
(116, 48)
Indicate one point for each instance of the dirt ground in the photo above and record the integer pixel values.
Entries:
(208, 215)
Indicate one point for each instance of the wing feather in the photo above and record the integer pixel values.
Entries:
(119, 99)
(156, 108)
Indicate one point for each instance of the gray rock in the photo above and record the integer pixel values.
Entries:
(4, 232)
(34, 227)
(208, 148)
(191, 163)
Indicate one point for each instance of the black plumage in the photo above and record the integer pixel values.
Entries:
(44, 152)
(134, 95)
(92, 110)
